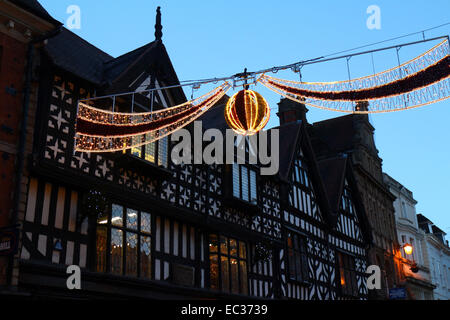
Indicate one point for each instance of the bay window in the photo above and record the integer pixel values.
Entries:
(124, 242)
(228, 264)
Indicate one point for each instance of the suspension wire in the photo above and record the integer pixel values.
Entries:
(298, 64)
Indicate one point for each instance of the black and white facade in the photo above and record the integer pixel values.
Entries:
(173, 231)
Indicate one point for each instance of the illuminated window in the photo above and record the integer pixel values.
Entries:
(297, 259)
(124, 242)
(244, 183)
(156, 152)
(228, 264)
(347, 274)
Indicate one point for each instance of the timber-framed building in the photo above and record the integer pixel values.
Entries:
(178, 231)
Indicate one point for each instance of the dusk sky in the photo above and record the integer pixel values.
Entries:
(207, 39)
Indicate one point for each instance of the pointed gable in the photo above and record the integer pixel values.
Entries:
(298, 166)
(344, 198)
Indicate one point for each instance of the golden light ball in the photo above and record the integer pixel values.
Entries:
(247, 112)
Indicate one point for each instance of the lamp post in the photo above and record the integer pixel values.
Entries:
(408, 248)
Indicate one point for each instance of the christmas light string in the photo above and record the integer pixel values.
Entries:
(418, 82)
(96, 130)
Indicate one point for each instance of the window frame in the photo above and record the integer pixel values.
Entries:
(219, 254)
(301, 274)
(157, 154)
(349, 267)
(125, 230)
(250, 170)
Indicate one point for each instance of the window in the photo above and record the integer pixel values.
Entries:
(297, 259)
(228, 264)
(301, 195)
(404, 210)
(244, 183)
(124, 242)
(155, 152)
(347, 275)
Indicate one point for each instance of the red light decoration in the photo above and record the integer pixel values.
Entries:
(247, 112)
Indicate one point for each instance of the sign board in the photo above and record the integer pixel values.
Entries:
(397, 293)
(9, 239)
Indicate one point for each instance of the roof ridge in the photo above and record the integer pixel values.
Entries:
(112, 60)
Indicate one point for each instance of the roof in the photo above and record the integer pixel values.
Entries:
(74, 54)
(36, 8)
(290, 134)
(336, 133)
(333, 175)
(114, 67)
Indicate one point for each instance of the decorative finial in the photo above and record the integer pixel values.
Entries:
(158, 26)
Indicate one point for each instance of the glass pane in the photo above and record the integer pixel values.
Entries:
(116, 251)
(291, 262)
(242, 250)
(213, 243)
(136, 151)
(146, 259)
(289, 241)
(149, 149)
(102, 233)
(117, 215)
(243, 276)
(103, 218)
(131, 260)
(131, 219)
(162, 152)
(298, 266)
(225, 274)
(146, 222)
(236, 190)
(234, 276)
(294, 190)
(214, 271)
(233, 247)
(245, 186)
(253, 186)
(224, 245)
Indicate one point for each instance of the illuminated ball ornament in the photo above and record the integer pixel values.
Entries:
(247, 112)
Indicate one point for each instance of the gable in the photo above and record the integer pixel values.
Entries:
(348, 220)
(302, 195)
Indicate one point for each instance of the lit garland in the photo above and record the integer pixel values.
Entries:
(106, 131)
(418, 82)
(247, 112)
(421, 81)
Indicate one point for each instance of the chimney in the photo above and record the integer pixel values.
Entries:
(290, 111)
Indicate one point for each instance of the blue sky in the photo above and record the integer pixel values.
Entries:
(219, 38)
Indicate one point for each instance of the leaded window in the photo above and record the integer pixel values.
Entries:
(228, 264)
(347, 274)
(155, 152)
(297, 258)
(124, 242)
(244, 183)
(301, 196)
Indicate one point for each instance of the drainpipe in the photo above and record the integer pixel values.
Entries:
(23, 133)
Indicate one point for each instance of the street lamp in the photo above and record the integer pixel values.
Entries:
(408, 248)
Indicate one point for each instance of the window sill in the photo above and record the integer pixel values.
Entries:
(145, 167)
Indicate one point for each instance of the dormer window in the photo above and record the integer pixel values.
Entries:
(244, 183)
